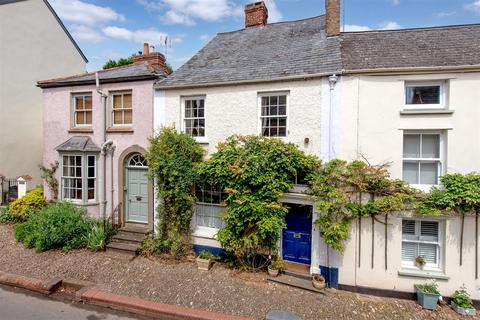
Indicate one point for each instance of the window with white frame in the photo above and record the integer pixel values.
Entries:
(422, 158)
(421, 238)
(122, 108)
(273, 115)
(82, 109)
(425, 95)
(194, 116)
(209, 206)
(78, 178)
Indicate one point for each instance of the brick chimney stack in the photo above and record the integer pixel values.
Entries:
(332, 18)
(256, 14)
(155, 59)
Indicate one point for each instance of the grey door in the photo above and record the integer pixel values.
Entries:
(136, 195)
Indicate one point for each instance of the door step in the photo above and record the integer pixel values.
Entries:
(298, 270)
(126, 248)
(136, 229)
(295, 282)
(128, 239)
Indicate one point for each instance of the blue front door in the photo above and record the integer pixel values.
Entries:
(297, 236)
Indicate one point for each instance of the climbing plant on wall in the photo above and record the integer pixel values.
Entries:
(346, 191)
(172, 158)
(458, 194)
(254, 171)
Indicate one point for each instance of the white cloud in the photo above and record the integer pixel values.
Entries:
(205, 37)
(186, 12)
(84, 13)
(445, 14)
(355, 27)
(473, 6)
(390, 25)
(85, 34)
(151, 35)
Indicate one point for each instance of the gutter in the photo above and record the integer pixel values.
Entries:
(413, 70)
(240, 82)
(93, 81)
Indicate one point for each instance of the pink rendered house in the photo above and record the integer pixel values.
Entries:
(96, 126)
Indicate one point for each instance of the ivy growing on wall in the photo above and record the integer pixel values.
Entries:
(346, 191)
(255, 172)
(172, 158)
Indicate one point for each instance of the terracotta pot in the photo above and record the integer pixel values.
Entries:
(204, 264)
(273, 272)
(318, 282)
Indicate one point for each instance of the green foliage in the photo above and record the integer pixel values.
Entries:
(207, 255)
(254, 171)
(48, 175)
(462, 298)
(458, 194)
(277, 264)
(22, 208)
(7, 218)
(172, 158)
(61, 225)
(429, 287)
(99, 235)
(121, 62)
(177, 246)
(339, 189)
(168, 68)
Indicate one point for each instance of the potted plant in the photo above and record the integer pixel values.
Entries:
(205, 260)
(428, 295)
(318, 281)
(462, 303)
(275, 267)
(420, 261)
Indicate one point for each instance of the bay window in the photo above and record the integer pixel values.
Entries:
(78, 178)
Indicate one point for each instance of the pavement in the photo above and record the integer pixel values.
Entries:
(16, 304)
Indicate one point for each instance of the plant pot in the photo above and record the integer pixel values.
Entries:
(463, 311)
(319, 283)
(273, 272)
(427, 300)
(204, 264)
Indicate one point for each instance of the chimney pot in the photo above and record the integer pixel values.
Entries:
(146, 48)
(332, 18)
(156, 60)
(256, 14)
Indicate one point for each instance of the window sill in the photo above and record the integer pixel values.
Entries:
(119, 130)
(408, 112)
(81, 203)
(427, 274)
(205, 232)
(80, 130)
(201, 140)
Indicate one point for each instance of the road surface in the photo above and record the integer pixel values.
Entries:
(19, 305)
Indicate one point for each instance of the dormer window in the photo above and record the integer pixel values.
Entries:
(425, 95)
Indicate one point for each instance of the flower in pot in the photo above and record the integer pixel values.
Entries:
(276, 266)
(205, 260)
(428, 295)
(462, 303)
(318, 281)
(420, 261)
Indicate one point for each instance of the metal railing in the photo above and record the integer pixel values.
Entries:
(8, 190)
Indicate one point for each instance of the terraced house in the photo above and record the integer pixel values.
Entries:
(403, 97)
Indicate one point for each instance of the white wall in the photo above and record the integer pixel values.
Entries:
(33, 47)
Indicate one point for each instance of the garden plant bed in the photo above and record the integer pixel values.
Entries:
(220, 290)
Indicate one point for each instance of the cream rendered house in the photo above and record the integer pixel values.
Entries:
(34, 45)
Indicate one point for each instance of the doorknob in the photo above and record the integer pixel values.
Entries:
(139, 198)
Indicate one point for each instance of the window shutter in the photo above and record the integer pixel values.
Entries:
(409, 251)
(429, 231)
(408, 228)
(429, 252)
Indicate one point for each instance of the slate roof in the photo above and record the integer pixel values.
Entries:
(131, 72)
(450, 46)
(79, 144)
(273, 52)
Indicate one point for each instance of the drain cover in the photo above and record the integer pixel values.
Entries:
(281, 315)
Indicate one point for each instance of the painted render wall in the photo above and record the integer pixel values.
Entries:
(57, 123)
(373, 127)
(33, 47)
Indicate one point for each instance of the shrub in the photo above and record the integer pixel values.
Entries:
(22, 208)
(207, 255)
(462, 298)
(61, 225)
(177, 246)
(99, 235)
(277, 264)
(7, 217)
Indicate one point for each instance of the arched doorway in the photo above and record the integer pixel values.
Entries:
(136, 189)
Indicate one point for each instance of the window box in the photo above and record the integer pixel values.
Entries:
(463, 311)
(427, 300)
(425, 95)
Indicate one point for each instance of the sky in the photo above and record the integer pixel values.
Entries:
(111, 29)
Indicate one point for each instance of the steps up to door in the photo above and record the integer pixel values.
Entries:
(128, 240)
(294, 281)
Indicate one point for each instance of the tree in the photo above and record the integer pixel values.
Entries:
(121, 62)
